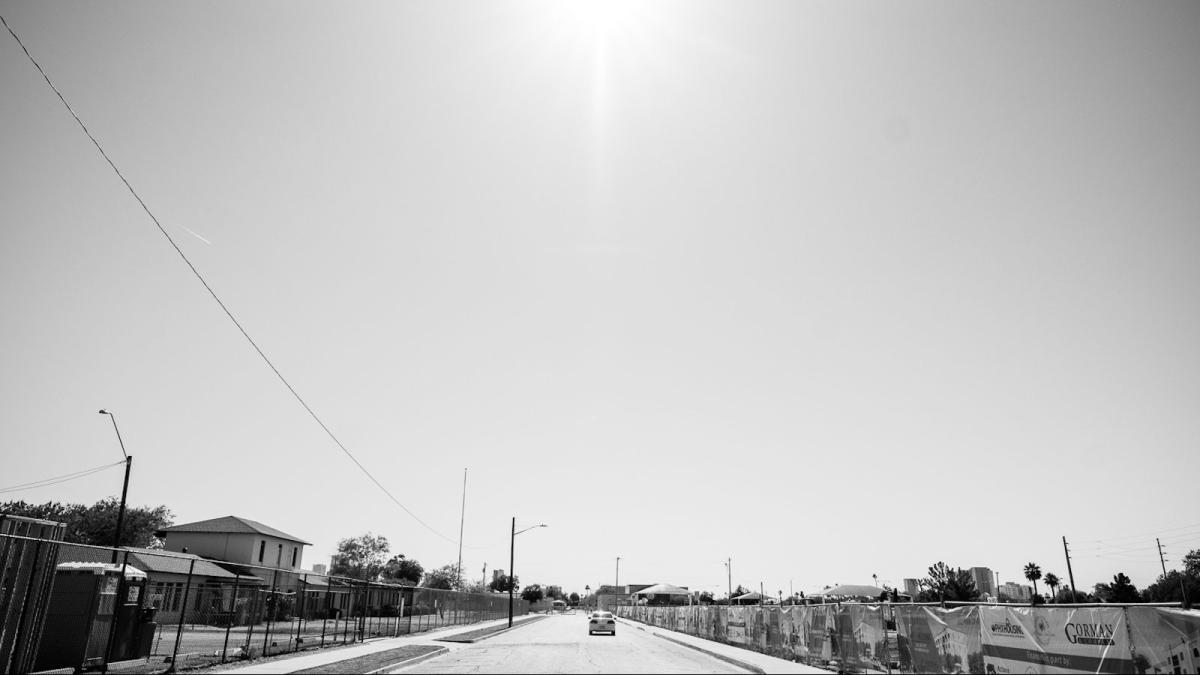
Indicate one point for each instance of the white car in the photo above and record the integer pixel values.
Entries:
(602, 622)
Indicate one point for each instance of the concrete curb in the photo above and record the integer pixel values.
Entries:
(411, 661)
(721, 657)
(516, 625)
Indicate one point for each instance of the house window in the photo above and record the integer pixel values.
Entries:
(172, 596)
(279, 556)
(262, 549)
(293, 556)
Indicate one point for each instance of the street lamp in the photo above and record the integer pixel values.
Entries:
(124, 489)
(729, 572)
(511, 562)
(587, 593)
(617, 585)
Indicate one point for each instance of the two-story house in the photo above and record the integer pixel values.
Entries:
(237, 540)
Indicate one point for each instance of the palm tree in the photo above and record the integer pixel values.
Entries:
(1033, 572)
(1053, 582)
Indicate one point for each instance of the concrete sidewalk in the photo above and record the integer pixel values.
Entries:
(323, 657)
(742, 658)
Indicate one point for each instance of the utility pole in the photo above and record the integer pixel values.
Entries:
(729, 572)
(1162, 561)
(1070, 574)
(484, 581)
(124, 488)
(462, 521)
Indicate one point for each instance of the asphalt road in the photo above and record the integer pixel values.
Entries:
(560, 644)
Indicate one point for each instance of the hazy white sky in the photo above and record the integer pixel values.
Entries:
(834, 289)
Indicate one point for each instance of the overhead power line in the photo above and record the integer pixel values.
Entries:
(1142, 535)
(58, 479)
(213, 293)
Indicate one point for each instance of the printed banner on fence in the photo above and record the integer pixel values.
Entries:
(736, 627)
(1058, 640)
(1165, 640)
(936, 640)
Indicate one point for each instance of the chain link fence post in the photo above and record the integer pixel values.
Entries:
(271, 602)
(112, 629)
(187, 589)
(232, 614)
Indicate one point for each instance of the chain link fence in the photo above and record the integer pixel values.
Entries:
(70, 606)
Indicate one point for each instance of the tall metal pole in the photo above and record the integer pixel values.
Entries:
(1070, 574)
(124, 488)
(729, 572)
(462, 521)
(511, 561)
(617, 586)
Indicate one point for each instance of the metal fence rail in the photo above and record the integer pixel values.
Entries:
(75, 606)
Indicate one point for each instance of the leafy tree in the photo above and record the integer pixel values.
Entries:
(1120, 590)
(1123, 589)
(532, 593)
(1080, 596)
(947, 583)
(403, 570)
(1170, 587)
(444, 577)
(554, 592)
(474, 587)
(573, 599)
(360, 557)
(96, 524)
(502, 583)
(1191, 563)
(1053, 582)
(1033, 572)
(706, 598)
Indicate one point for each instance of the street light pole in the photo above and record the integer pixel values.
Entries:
(617, 586)
(512, 543)
(729, 571)
(512, 563)
(124, 488)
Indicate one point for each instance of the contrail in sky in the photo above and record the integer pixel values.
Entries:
(195, 235)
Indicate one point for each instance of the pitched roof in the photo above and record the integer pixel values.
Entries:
(149, 561)
(231, 525)
(852, 590)
(663, 589)
(165, 562)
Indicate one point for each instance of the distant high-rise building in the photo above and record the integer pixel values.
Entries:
(912, 587)
(984, 580)
(1018, 592)
(320, 568)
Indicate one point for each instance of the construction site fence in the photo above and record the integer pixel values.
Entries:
(86, 607)
(977, 638)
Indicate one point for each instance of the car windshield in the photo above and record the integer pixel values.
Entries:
(602, 615)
